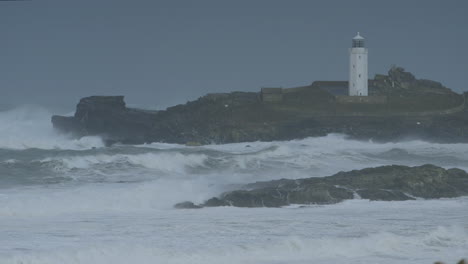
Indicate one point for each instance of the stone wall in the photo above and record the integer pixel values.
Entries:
(272, 95)
(344, 99)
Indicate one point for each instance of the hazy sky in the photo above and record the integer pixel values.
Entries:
(159, 53)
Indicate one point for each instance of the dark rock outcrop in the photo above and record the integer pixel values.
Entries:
(187, 205)
(413, 108)
(108, 117)
(386, 183)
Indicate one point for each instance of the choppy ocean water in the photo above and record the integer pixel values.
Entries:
(76, 201)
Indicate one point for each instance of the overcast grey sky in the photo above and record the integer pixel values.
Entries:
(160, 53)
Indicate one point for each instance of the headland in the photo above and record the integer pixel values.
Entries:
(399, 106)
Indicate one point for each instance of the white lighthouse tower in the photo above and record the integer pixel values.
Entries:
(358, 68)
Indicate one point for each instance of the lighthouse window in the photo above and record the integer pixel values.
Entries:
(358, 44)
(359, 56)
(359, 75)
(354, 66)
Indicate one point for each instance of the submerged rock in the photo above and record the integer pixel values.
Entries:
(187, 205)
(386, 183)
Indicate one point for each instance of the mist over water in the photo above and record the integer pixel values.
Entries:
(65, 200)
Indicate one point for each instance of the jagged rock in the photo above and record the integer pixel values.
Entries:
(108, 117)
(214, 202)
(399, 76)
(383, 195)
(386, 183)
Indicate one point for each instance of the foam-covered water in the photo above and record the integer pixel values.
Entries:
(64, 200)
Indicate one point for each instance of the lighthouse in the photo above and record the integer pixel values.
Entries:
(358, 68)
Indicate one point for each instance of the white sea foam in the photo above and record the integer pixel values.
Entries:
(9, 161)
(372, 248)
(338, 144)
(114, 205)
(30, 127)
(327, 155)
(166, 162)
(238, 164)
(242, 236)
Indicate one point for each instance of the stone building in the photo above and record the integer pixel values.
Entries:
(272, 94)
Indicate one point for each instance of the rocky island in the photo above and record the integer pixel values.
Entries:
(386, 183)
(399, 106)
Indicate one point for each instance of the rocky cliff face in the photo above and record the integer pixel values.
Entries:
(415, 108)
(386, 183)
(108, 117)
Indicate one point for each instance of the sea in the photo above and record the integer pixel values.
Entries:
(76, 201)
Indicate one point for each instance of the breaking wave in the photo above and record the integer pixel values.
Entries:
(30, 127)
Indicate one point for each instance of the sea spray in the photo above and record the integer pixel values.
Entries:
(30, 127)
